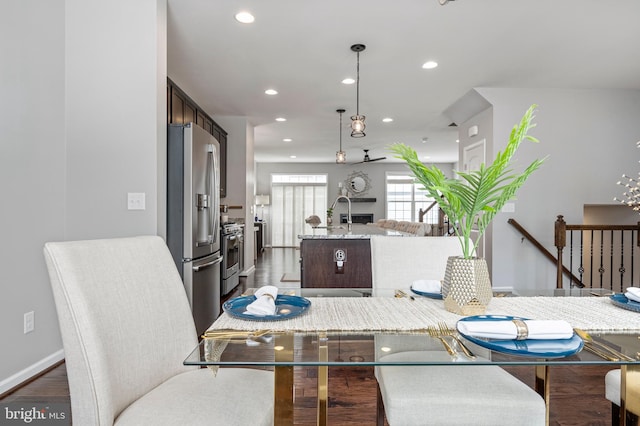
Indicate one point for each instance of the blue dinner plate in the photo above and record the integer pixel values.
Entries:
(552, 348)
(426, 294)
(621, 301)
(286, 307)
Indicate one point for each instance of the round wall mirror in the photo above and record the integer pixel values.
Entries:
(358, 183)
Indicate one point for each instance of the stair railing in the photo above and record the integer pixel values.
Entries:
(563, 270)
(599, 253)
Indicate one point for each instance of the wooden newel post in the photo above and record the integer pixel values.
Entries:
(560, 241)
(638, 235)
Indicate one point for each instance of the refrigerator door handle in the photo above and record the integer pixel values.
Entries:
(213, 189)
(206, 265)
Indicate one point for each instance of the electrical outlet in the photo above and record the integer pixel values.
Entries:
(136, 201)
(29, 322)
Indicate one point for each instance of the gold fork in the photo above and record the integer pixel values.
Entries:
(433, 332)
(233, 334)
(450, 332)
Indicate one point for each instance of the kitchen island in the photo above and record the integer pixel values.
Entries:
(337, 256)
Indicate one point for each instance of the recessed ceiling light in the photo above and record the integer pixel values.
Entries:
(245, 17)
(281, 119)
(426, 157)
(287, 140)
(425, 139)
(348, 80)
(457, 140)
(292, 156)
(429, 65)
(387, 120)
(271, 92)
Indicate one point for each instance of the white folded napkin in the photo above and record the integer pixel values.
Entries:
(633, 293)
(507, 329)
(265, 303)
(427, 286)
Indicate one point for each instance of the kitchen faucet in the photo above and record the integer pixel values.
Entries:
(333, 206)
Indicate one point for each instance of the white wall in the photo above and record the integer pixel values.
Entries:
(589, 137)
(617, 214)
(112, 98)
(32, 178)
(240, 177)
(83, 123)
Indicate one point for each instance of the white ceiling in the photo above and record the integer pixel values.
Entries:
(302, 49)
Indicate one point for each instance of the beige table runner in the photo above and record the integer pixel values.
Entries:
(393, 314)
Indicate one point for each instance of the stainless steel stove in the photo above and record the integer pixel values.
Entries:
(231, 247)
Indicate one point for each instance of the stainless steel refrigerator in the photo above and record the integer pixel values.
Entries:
(193, 217)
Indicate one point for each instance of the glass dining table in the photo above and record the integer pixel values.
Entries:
(312, 326)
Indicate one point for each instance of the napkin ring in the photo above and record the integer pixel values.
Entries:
(521, 328)
(268, 295)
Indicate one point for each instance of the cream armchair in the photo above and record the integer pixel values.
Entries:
(439, 395)
(126, 328)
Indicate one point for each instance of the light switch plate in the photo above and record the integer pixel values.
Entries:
(509, 208)
(136, 201)
(29, 322)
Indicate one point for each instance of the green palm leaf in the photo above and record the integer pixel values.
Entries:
(476, 197)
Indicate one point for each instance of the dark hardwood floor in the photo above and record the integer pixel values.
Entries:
(577, 393)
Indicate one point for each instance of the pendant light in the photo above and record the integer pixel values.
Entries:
(357, 121)
(341, 156)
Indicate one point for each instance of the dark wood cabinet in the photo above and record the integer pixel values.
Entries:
(189, 113)
(176, 108)
(319, 268)
(182, 109)
(260, 234)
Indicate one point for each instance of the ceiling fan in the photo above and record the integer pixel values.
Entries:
(367, 159)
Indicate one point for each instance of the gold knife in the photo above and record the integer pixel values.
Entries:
(231, 334)
(601, 354)
(587, 338)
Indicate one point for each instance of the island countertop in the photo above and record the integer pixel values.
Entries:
(341, 231)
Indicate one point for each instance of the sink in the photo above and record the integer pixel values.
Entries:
(330, 227)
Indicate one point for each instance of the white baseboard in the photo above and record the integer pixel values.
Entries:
(248, 272)
(31, 371)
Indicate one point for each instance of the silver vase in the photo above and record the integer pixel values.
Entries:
(466, 287)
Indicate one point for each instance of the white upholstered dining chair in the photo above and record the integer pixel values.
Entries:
(127, 327)
(398, 261)
(612, 381)
(439, 395)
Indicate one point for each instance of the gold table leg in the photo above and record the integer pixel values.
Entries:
(629, 394)
(542, 387)
(283, 376)
(323, 379)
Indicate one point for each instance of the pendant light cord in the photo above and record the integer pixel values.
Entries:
(340, 130)
(358, 84)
